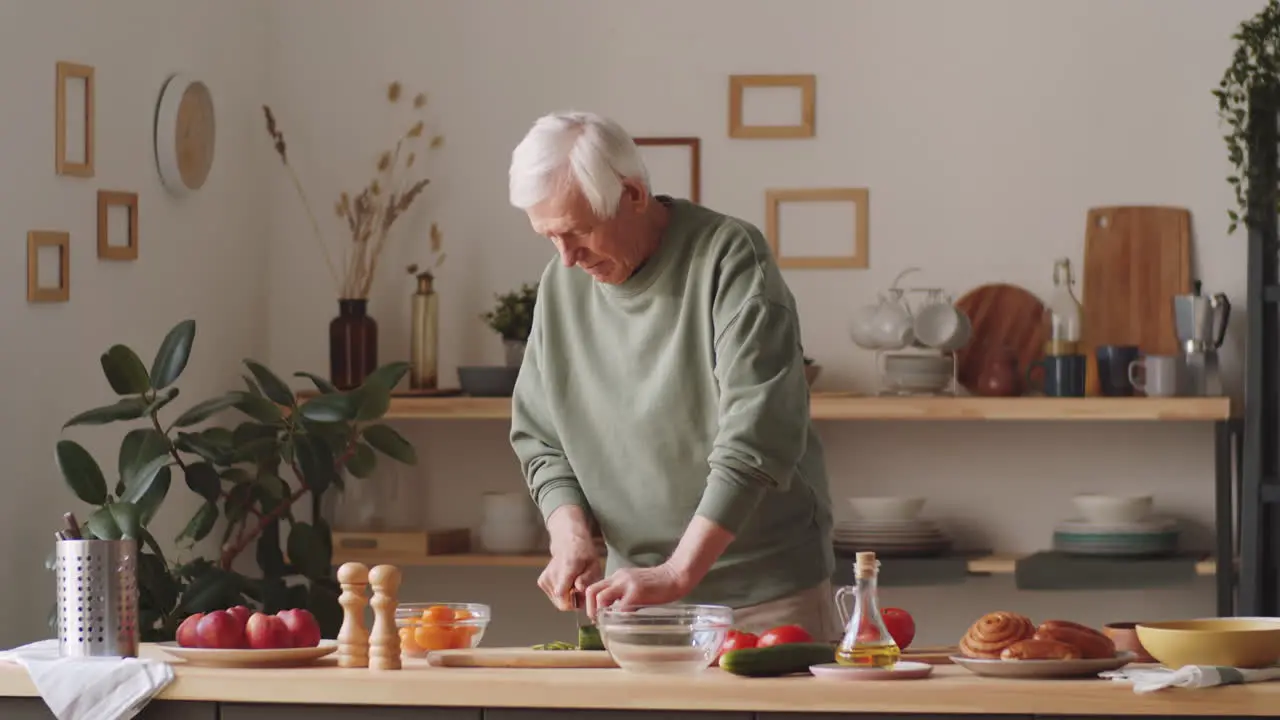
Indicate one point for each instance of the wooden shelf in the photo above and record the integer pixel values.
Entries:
(997, 564)
(849, 406)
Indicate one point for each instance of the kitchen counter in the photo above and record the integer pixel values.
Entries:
(249, 694)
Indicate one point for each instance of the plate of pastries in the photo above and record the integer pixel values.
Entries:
(1009, 645)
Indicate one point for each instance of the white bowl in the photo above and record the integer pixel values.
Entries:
(1113, 509)
(886, 508)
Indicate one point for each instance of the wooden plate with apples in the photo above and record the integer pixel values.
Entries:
(241, 637)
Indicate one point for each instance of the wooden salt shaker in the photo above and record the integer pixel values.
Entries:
(353, 638)
(384, 641)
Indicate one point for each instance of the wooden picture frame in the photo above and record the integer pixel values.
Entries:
(37, 239)
(859, 197)
(695, 159)
(63, 165)
(808, 85)
(106, 200)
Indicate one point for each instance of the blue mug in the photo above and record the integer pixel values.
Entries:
(1064, 375)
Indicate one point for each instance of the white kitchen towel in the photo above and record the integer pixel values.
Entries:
(97, 688)
(1147, 680)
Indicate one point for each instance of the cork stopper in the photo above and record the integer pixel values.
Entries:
(425, 283)
(865, 565)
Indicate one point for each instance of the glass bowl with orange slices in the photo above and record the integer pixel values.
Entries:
(424, 627)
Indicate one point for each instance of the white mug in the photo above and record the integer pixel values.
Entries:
(1155, 375)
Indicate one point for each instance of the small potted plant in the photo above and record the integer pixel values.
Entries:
(512, 319)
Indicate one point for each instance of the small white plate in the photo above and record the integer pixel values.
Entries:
(899, 671)
(283, 657)
(1042, 668)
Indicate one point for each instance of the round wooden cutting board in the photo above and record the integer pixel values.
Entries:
(1002, 316)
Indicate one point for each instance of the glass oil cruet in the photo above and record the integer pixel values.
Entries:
(1063, 312)
(867, 642)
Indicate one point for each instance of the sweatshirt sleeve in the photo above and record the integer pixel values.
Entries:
(763, 413)
(535, 440)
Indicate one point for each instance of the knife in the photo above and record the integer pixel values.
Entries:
(588, 633)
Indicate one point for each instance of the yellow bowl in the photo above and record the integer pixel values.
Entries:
(1229, 642)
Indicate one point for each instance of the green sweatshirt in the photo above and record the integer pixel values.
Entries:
(680, 391)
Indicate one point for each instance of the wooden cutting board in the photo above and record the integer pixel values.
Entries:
(517, 657)
(939, 655)
(1136, 258)
(1002, 316)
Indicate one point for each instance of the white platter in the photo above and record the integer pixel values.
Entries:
(1042, 668)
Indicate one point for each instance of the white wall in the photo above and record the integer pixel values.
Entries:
(984, 130)
(199, 258)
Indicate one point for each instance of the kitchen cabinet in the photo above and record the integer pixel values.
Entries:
(33, 708)
(241, 711)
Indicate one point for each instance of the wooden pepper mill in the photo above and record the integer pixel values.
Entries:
(353, 638)
(384, 641)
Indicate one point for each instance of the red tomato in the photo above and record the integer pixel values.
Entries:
(783, 635)
(737, 640)
(900, 625)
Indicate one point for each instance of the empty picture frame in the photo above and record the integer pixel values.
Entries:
(37, 242)
(73, 124)
(855, 257)
(741, 128)
(669, 173)
(117, 225)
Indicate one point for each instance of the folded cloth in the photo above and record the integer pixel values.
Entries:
(1150, 679)
(90, 688)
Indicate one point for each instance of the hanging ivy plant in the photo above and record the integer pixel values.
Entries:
(1253, 77)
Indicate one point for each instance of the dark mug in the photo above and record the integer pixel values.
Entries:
(1063, 375)
(1113, 369)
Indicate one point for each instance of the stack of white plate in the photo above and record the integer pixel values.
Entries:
(891, 538)
(1139, 538)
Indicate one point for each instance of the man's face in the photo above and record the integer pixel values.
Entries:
(607, 250)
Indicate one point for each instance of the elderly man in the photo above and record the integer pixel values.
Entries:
(663, 395)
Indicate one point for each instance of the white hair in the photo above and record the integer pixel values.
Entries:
(580, 147)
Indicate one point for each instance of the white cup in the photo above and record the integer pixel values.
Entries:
(892, 325)
(942, 326)
(1155, 375)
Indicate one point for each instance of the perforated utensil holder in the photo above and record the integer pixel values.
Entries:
(97, 598)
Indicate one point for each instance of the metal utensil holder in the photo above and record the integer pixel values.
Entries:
(97, 598)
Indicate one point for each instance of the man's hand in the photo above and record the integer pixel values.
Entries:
(575, 564)
(637, 586)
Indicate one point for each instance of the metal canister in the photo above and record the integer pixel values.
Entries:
(97, 598)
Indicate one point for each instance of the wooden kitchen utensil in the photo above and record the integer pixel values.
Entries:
(515, 657)
(384, 639)
(353, 637)
(1005, 318)
(1136, 258)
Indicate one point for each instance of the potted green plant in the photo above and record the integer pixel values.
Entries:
(1251, 84)
(250, 474)
(512, 319)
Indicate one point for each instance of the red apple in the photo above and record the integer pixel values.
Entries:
(240, 613)
(187, 635)
(220, 630)
(302, 625)
(267, 632)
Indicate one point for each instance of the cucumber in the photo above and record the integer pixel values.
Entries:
(589, 638)
(776, 660)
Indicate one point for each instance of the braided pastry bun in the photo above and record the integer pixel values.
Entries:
(994, 632)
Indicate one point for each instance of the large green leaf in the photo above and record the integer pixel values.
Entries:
(102, 524)
(201, 524)
(362, 461)
(81, 472)
(127, 518)
(239, 499)
(257, 407)
(307, 550)
(162, 398)
(213, 589)
(151, 500)
(387, 376)
(139, 484)
(202, 411)
(322, 601)
(387, 441)
(272, 386)
(125, 371)
(270, 558)
(171, 358)
(130, 408)
(324, 386)
(334, 407)
(316, 462)
(203, 479)
(154, 580)
(372, 401)
(138, 448)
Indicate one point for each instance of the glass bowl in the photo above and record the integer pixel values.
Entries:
(428, 626)
(664, 639)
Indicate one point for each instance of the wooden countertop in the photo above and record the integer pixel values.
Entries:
(951, 690)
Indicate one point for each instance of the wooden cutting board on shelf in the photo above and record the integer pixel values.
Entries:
(938, 655)
(1136, 258)
(1003, 316)
(517, 657)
